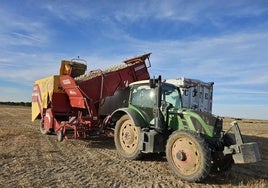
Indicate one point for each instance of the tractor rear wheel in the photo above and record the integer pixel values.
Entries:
(127, 138)
(188, 155)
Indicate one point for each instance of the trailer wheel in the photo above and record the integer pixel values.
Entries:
(223, 163)
(42, 129)
(127, 138)
(60, 136)
(188, 155)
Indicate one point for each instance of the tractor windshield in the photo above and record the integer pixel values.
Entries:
(171, 95)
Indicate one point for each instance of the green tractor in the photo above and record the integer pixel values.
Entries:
(195, 144)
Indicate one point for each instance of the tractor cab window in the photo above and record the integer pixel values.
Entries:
(170, 94)
(143, 96)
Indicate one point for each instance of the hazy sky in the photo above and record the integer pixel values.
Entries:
(221, 41)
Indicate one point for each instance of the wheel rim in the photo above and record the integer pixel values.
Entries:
(129, 137)
(185, 156)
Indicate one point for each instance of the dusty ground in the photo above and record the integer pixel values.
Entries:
(30, 159)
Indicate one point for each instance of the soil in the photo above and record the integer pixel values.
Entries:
(30, 159)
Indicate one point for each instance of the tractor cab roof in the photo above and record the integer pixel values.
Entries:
(141, 82)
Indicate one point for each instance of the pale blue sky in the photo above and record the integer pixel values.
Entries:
(220, 41)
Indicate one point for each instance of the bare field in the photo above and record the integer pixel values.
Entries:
(30, 159)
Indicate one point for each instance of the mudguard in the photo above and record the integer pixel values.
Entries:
(133, 114)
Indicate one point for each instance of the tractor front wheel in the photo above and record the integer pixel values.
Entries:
(188, 155)
(127, 138)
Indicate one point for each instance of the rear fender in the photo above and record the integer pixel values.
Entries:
(134, 116)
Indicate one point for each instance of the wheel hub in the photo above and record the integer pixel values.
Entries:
(128, 137)
(181, 156)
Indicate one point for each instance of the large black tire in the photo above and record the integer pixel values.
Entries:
(223, 163)
(127, 138)
(188, 155)
(42, 129)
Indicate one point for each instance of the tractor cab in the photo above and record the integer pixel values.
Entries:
(144, 98)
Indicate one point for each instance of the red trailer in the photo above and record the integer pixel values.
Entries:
(74, 99)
